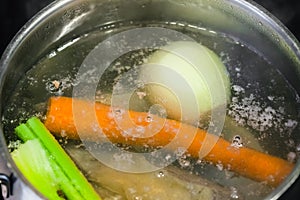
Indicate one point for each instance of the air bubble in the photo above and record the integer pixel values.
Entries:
(238, 89)
(160, 174)
(291, 156)
(298, 148)
(118, 112)
(149, 118)
(141, 95)
(184, 162)
(199, 162)
(271, 98)
(291, 123)
(220, 167)
(237, 141)
(138, 198)
(234, 193)
(63, 133)
(140, 129)
(54, 86)
(168, 157)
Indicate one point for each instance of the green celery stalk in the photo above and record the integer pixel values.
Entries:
(62, 159)
(24, 133)
(72, 182)
(25, 165)
(64, 183)
(32, 161)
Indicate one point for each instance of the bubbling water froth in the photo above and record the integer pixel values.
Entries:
(248, 110)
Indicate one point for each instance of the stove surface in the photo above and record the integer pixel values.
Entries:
(14, 14)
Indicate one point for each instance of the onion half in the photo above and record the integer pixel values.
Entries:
(187, 79)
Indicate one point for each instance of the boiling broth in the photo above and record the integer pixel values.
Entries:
(263, 109)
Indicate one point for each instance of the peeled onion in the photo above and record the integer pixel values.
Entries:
(187, 79)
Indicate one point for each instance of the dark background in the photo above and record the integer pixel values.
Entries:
(15, 13)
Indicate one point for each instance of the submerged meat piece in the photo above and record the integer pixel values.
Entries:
(166, 184)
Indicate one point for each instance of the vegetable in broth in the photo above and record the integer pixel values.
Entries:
(256, 117)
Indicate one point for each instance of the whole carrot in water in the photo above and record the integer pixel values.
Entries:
(68, 117)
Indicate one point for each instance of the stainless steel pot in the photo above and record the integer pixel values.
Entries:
(66, 19)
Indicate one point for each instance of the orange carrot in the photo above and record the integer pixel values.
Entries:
(87, 120)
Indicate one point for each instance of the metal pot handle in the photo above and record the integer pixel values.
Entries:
(7, 179)
(5, 186)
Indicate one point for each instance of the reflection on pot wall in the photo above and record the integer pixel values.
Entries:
(14, 15)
